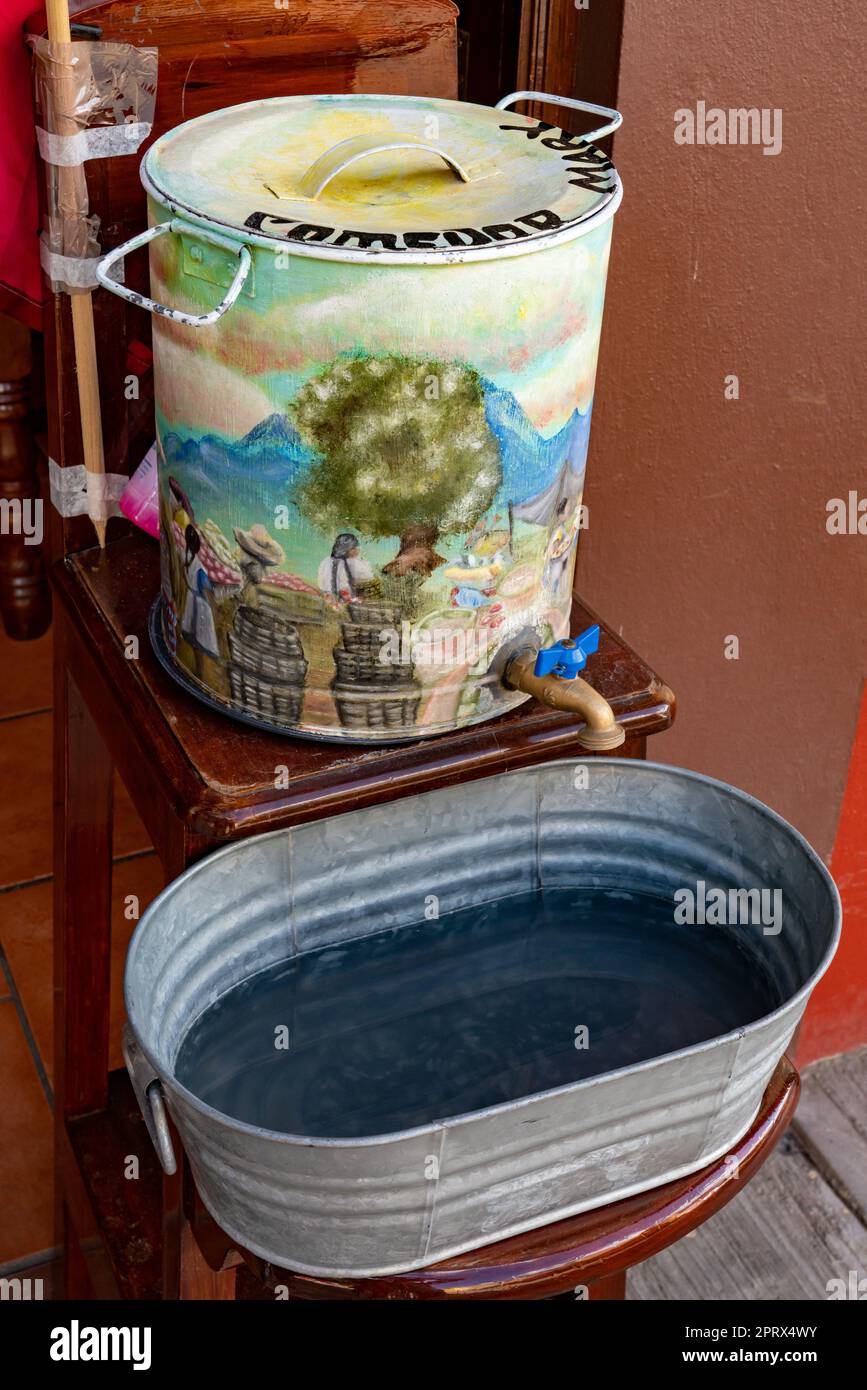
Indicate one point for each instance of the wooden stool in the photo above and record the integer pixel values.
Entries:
(585, 1256)
(199, 780)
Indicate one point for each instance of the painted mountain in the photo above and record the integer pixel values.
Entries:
(258, 472)
(271, 456)
(531, 463)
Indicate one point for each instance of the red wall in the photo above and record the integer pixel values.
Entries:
(836, 1019)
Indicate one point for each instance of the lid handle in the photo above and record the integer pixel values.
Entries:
(614, 117)
(340, 156)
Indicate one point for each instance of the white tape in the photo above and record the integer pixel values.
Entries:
(96, 142)
(78, 272)
(75, 492)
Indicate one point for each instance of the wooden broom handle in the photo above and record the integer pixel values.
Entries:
(84, 339)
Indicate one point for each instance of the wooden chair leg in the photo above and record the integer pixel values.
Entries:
(610, 1286)
(82, 926)
(82, 900)
(208, 1259)
(25, 602)
(198, 1280)
(75, 1282)
(613, 1286)
(172, 1226)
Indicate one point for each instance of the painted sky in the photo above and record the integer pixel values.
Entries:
(529, 323)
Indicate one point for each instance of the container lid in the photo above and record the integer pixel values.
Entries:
(391, 177)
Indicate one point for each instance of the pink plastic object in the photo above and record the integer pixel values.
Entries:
(140, 498)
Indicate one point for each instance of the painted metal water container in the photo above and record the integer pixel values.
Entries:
(351, 1199)
(376, 325)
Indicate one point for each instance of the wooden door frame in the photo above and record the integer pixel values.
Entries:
(541, 45)
(569, 50)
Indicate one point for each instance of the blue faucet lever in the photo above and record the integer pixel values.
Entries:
(569, 656)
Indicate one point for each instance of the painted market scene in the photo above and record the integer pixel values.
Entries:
(390, 623)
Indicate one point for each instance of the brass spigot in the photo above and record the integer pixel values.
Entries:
(601, 733)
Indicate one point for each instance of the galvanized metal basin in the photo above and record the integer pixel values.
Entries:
(391, 1202)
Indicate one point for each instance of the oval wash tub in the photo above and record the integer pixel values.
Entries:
(413, 992)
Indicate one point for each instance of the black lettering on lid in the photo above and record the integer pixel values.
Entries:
(589, 155)
(388, 240)
(455, 237)
(595, 183)
(309, 231)
(504, 231)
(542, 221)
(256, 219)
(531, 132)
(421, 241)
(565, 141)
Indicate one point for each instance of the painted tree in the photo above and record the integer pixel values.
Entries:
(403, 449)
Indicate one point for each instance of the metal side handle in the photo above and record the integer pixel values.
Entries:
(245, 262)
(613, 121)
(149, 1094)
(340, 156)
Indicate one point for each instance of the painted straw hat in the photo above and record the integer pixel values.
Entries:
(258, 543)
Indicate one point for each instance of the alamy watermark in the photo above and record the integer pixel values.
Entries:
(720, 907)
(736, 125)
(846, 516)
(19, 518)
(434, 646)
(77, 1343)
(16, 1289)
(853, 1287)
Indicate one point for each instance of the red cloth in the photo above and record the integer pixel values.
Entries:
(289, 581)
(22, 290)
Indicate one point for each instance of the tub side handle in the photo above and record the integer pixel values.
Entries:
(153, 306)
(149, 1094)
(340, 156)
(613, 118)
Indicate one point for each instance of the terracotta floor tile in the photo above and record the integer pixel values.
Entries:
(26, 1148)
(26, 667)
(25, 804)
(25, 934)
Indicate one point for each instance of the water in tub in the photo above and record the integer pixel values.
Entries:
(478, 1007)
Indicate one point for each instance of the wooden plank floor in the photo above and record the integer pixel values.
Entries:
(832, 1125)
(801, 1222)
